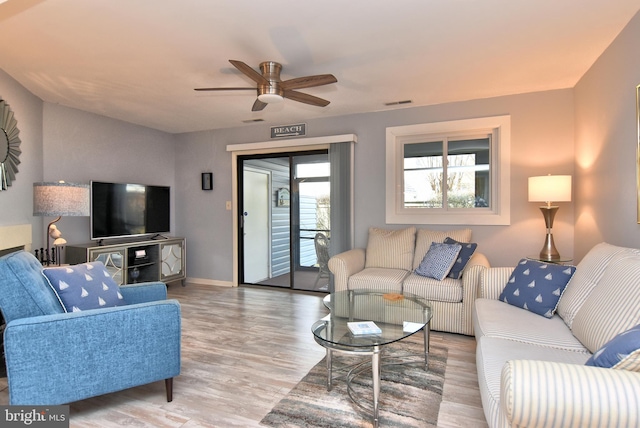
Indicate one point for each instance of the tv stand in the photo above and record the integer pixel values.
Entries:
(136, 261)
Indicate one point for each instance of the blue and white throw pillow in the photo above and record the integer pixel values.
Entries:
(84, 286)
(438, 260)
(537, 286)
(468, 248)
(622, 352)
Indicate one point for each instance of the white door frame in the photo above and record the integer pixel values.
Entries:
(267, 147)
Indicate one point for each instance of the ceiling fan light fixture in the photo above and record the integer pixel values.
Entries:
(270, 98)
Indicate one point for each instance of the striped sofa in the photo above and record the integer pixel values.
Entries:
(389, 261)
(531, 369)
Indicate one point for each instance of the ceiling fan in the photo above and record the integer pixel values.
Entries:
(271, 89)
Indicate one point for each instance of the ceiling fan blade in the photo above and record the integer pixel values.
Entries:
(224, 89)
(308, 81)
(305, 98)
(258, 105)
(249, 72)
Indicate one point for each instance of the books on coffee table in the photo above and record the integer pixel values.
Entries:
(363, 327)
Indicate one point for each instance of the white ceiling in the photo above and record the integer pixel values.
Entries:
(139, 60)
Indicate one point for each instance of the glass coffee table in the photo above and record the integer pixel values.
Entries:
(398, 316)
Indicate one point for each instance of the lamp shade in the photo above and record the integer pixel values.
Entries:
(550, 188)
(60, 199)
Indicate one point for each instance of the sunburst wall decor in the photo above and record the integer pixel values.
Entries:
(9, 146)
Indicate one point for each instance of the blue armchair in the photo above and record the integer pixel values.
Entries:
(53, 357)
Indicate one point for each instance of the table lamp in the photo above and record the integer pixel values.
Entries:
(549, 188)
(57, 199)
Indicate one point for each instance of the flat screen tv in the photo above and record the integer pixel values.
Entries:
(120, 210)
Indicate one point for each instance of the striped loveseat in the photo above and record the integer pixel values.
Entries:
(389, 263)
(531, 369)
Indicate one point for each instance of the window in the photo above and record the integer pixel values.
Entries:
(449, 172)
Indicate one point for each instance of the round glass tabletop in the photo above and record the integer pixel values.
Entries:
(396, 315)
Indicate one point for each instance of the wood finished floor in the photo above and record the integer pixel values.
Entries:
(243, 349)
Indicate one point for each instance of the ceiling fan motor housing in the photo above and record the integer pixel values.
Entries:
(270, 89)
(271, 93)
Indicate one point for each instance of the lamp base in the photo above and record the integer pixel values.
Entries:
(549, 251)
(49, 258)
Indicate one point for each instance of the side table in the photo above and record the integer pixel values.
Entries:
(560, 261)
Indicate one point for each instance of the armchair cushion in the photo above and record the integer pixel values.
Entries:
(144, 292)
(621, 352)
(24, 292)
(389, 280)
(438, 261)
(447, 290)
(466, 252)
(84, 286)
(537, 286)
(391, 249)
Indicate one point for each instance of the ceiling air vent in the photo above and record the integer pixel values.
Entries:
(396, 103)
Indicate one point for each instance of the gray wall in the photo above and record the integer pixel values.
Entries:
(16, 204)
(542, 142)
(606, 146)
(80, 147)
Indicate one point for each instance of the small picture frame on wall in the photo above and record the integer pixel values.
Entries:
(207, 181)
(283, 197)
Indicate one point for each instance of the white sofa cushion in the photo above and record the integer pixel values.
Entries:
(612, 307)
(384, 279)
(498, 319)
(588, 273)
(447, 290)
(494, 352)
(424, 238)
(390, 248)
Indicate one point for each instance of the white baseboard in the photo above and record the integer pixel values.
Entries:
(205, 281)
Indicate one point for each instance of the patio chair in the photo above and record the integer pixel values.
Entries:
(322, 253)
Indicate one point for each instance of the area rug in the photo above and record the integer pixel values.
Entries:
(409, 395)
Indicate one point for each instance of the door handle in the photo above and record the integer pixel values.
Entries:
(242, 216)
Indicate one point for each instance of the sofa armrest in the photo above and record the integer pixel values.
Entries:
(541, 393)
(478, 259)
(492, 282)
(61, 358)
(470, 278)
(345, 264)
(144, 292)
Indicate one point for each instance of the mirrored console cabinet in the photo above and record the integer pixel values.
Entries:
(135, 261)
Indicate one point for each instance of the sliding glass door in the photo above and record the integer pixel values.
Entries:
(312, 208)
(287, 219)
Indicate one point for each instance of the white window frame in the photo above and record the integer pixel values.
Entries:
(500, 172)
